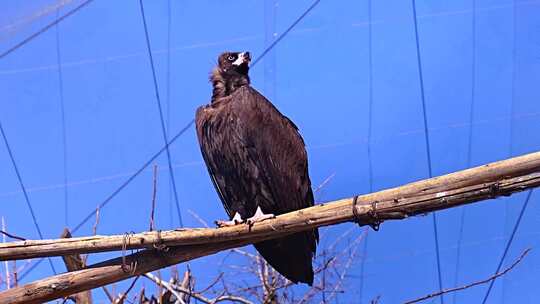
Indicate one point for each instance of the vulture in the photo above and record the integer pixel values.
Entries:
(257, 162)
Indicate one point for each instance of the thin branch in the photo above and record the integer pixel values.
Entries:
(176, 288)
(124, 295)
(198, 218)
(108, 294)
(216, 280)
(6, 263)
(96, 223)
(167, 286)
(347, 266)
(154, 192)
(324, 183)
(491, 278)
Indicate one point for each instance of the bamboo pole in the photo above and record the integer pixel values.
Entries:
(480, 183)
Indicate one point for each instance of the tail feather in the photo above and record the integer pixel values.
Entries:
(291, 255)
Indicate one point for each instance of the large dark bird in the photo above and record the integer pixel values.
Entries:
(258, 163)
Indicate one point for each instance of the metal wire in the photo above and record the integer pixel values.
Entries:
(43, 29)
(23, 188)
(269, 48)
(168, 100)
(428, 150)
(370, 125)
(62, 120)
(509, 243)
(511, 152)
(161, 118)
(469, 143)
(132, 177)
(147, 163)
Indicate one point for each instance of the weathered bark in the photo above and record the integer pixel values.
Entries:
(74, 263)
(468, 186)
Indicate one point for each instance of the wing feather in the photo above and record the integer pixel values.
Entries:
(256, 157)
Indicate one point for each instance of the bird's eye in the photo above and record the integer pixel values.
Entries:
(230, 58)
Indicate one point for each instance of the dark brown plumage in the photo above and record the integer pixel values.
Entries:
(257, 159)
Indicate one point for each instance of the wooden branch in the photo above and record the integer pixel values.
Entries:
(480, 183)
(463, 187)
(74, 263)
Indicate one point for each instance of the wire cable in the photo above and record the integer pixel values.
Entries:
(512, 111)
(370, 125)
(147, 163)
(469, 142)
(23, 188)
(270, 11)
(133, 176)
(509, 243)
(428, 150)
(271, 46)
(162, 120)
(44, 29)
(62, 119)
(168, 100)
(30, 269)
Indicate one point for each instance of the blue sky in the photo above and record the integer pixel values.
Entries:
(318, 75)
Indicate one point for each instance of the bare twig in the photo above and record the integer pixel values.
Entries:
(167, 286)
(324, 183)
(347, 266)
(108, 294)
(154, 192)
(96, 223)
(124, 295)
(198, 218)
(6, 263)
(491, 278)
(216, 280)
(187, 283)
(175, 289)
(15, 274)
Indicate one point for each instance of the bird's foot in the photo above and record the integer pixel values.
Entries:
(237, 219)
(259, 217)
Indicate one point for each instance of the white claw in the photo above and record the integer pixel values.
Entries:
(237, 219)
(259, 217)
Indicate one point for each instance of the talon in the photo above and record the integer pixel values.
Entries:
(237, 219)
(259, 217)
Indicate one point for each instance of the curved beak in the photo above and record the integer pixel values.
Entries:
(244, 57)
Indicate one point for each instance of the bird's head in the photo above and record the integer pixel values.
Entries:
(230, 73)
(234, 63)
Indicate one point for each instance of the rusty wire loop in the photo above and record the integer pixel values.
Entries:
(125, 243)
(375, 221)
(355, 211)
(159, 245)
